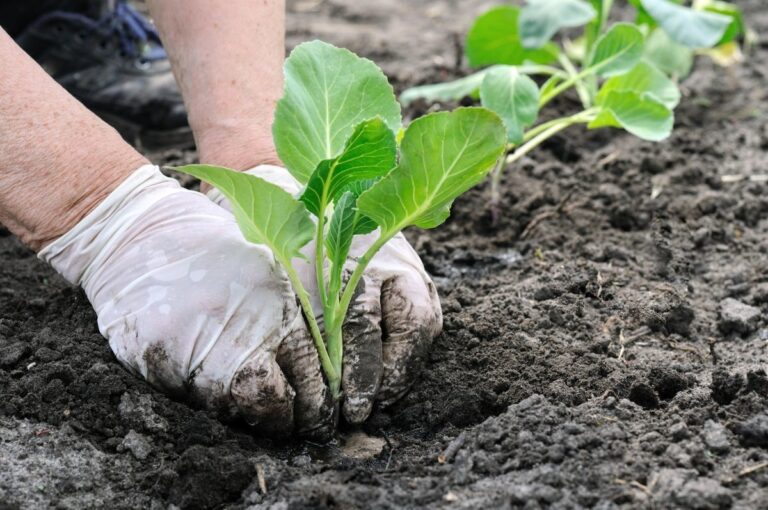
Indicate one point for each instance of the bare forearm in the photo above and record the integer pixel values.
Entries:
(57, 160)
(227, 58)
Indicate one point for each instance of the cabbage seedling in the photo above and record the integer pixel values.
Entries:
(337, 129)
(625, 74)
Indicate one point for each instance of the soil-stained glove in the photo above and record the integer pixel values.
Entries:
(192, 307)
(391, 322)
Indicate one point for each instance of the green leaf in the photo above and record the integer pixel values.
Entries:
(592, 30)
(442, 156)
(369, 153)
(449, 91)
(469, 86)
(328, 92)
(643, 78)
(541, 19)
(617, 51)
(642, 17)
(695, 29)
(341, 229)
(494, 39)
(640, 114)
(514, 97)
(265, 213)
(735, 28)
(363, 224)
(670, 57)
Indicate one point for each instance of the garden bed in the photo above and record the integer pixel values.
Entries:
(605, 343)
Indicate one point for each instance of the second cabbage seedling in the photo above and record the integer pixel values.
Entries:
(337, 130)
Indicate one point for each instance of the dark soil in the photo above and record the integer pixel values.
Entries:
(601, 346)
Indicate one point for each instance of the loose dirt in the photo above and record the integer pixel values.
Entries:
(604, 345)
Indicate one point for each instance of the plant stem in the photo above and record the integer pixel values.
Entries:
(330, 370)
(581, 89)
(495, 194)
(547, 130)
(335, 347)
(540, 69)
(572, 80)
(320, 257)
(362, 263)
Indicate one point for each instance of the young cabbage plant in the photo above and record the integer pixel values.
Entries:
(625, 74)
(335, 130)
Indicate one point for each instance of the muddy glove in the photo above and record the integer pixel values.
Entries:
(391, 323)
(193, 308)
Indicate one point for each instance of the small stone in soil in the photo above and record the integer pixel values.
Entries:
(136, 411)
(137, 444)
(359, 445)
(738, 317)
(12, 354)
(716, 437)
(679, 431)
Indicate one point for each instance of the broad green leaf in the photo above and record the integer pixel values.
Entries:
(735, 28)
(369, 153)
(617, 51)
(642, 17)
(341, 229)
(643, 78)
(514, 97)
(695, 29)
(640, 114)
(328, 92)
(541, 19)
(265, 213)
(363, 224)
(442, 156)
(670, 57)
(494, 39)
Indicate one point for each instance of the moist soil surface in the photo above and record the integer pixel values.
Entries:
(604, 344)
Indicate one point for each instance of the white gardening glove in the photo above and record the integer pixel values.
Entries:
(193, 308)
(391, 322)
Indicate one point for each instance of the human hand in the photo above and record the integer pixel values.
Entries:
(192, 307)
(392, 320)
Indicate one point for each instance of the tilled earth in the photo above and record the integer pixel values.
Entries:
(604, 345)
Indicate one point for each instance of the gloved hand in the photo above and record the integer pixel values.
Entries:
(391, 322)
(192, 307)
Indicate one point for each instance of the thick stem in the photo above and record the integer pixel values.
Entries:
(333, 335)
(362, 263)
(320, 257)
(331, 373)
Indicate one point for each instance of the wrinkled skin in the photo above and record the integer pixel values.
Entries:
(391, 322)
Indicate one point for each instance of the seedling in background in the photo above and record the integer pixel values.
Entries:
(335, 130)
(625, 74)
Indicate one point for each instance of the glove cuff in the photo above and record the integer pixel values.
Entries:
(76, 253)
(276, 175)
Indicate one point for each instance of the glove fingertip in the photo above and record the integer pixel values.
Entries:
(264, 397)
